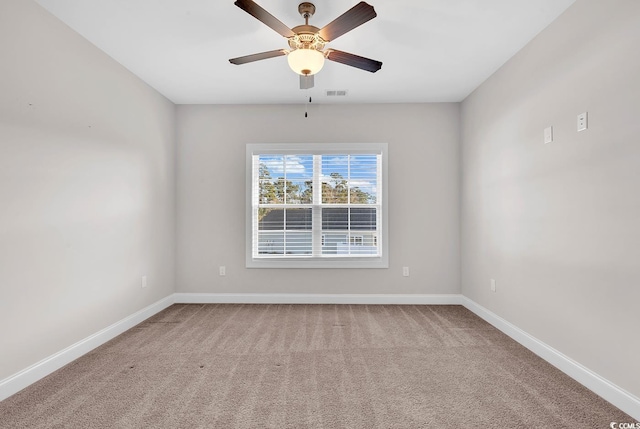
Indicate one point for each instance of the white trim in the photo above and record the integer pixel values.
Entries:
(283, 298)
(35, 372)
(619, 397)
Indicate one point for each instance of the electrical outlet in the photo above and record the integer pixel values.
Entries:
(405, 271)
(582, 121)
(144, 281)
(223, 270)
(493, 285)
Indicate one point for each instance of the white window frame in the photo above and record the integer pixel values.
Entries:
(381, 261)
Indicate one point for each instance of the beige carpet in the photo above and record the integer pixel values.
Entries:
(309, 366)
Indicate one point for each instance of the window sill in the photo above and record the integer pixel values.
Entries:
(321, 263)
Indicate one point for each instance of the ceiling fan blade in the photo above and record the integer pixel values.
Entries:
(306, 81)
(357, 15)
(354, 60)
(269, 20)
(258, 57)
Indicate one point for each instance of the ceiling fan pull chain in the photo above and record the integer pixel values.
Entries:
(306, 106)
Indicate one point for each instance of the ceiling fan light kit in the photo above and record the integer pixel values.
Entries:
(307, 42)
(305, 61)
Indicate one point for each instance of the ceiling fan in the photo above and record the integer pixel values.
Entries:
(307, 42)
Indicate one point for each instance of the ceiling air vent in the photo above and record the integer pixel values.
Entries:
(336, 93)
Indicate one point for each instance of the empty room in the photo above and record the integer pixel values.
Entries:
(328, 214)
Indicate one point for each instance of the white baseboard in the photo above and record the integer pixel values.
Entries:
(35, 372)
(283, 298)
(622, 399)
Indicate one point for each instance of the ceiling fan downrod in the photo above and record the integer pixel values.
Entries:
(306, 9)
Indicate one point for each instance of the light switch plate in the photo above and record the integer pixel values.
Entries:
(548, 135)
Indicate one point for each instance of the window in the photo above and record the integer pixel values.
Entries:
(316, 206)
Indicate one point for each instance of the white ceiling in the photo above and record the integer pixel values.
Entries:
(432, 50)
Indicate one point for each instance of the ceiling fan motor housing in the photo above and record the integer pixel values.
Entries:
(306, 38)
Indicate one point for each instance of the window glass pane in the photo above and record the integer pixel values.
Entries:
(285, 179)
(333, 241)
(271, 242)
(345, 218)
(335, 223)
(284, 232)
(338, 237)
(271, 177)
(349, 179)
(363, 183)
(299, 179)
(270, 219)
(298, 219)
(363, 219)
(335, 219)
(300, 192)
(298, 243)
(284, 219)
(334, 175)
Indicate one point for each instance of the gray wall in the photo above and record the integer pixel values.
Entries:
(558, 225)
(423, 195)
(86, 188)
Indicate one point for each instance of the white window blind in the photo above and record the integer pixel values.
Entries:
(312, 203)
